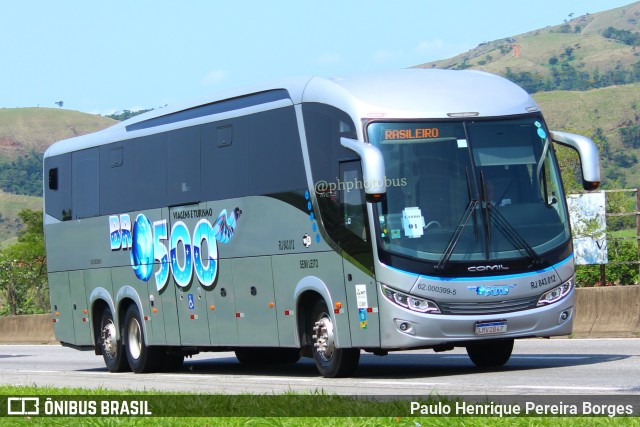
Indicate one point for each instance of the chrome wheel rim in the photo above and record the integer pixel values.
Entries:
(323, 337)
(134, 338)
(109, 340)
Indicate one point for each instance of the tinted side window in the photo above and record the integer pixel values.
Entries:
(116, 177)
(57, 193)
(275, 155)
(150, 172)
(85, 183)
(183, 175)
(224, 160)
(324, 126)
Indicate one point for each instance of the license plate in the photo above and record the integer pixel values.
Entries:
(488, 328)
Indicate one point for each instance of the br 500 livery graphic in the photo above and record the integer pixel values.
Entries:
(148, 243)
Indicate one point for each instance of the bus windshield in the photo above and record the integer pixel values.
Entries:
(469, 190)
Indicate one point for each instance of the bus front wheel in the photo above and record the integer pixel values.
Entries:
(331, 361)
(490, 354)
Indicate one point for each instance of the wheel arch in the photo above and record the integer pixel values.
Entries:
(100, 299)
(125, 297)
(309, 290)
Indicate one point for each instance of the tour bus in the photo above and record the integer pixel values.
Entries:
(316, 217)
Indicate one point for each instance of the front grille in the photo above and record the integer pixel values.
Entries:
(488, 307)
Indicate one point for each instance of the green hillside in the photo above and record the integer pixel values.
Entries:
(25, 133)
(584, 73)
(34, 129)
(603, 111)
(533, 51)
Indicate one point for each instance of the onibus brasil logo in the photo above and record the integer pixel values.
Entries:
(148, 244)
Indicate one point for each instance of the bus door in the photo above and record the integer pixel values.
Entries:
(190, 295)
(357, 258)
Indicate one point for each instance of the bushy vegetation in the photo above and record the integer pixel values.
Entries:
(617, 271)
(624, 36)
(126, 114)
(22, 175)
(630, 136)
(23, 269)
(566, 76)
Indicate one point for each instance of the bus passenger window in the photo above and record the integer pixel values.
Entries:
(53, 179)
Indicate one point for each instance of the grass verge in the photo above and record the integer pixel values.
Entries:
(286, 410)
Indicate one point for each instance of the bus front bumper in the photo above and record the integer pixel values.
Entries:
(405, 329)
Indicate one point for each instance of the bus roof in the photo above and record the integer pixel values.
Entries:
(408, 94)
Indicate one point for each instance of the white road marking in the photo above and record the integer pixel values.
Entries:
(405, 383)
(565, 388)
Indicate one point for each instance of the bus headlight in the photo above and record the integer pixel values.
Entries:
(557, 293)
(407, 301)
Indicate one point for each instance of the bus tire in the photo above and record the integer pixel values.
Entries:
(140, 356)
(490, 354)
(110, 346)
(332, 362)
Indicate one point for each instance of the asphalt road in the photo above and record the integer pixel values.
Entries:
(557, 366)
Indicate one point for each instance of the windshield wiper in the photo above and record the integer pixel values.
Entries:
(505, 227)
(513, 236)
(486, 214)
(456, 236)
(469, 211)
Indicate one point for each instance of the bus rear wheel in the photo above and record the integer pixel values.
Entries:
(332, 362)
(490, 354)
(140, 356)
(110, 346)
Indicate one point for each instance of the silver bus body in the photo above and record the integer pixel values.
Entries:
(314, 217)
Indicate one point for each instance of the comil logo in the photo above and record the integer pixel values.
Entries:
(23, 406)
(483, 268)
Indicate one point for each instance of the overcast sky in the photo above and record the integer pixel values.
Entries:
(106, 56)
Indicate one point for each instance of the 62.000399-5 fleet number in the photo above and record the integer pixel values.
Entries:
(438, 289)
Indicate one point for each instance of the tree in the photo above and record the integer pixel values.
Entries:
(126, 114)
(23, 269)
(22, 175)
(59, 104)
(630, 136)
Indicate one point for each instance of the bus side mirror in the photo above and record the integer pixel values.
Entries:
(373, 173)
(588, 153)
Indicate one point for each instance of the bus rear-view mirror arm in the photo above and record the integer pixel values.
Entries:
(373, 173)
(588, 153)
